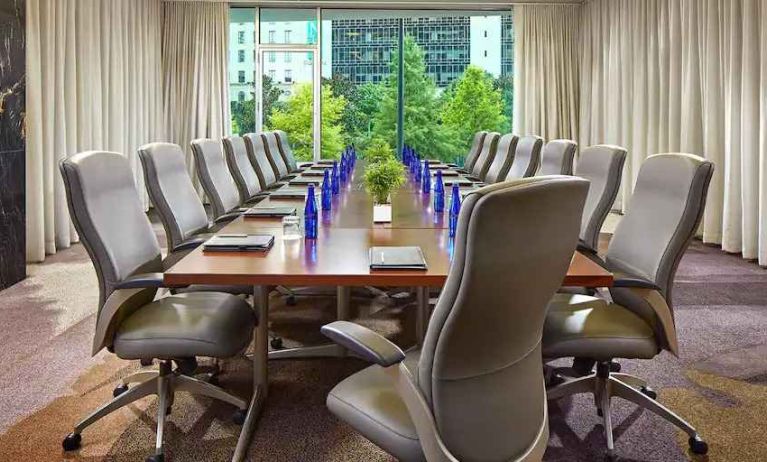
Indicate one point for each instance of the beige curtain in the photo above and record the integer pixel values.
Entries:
(546, 70)
(93, 82)
(685, 75)
(195, 60)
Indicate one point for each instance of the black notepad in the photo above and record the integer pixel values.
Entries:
(270, 211)
(407, 258)
(458, 181)
(239, 243)
(319, 173)
(292, 193)
(325, 162)
(438, 167)
(448, 173)
(302, 181)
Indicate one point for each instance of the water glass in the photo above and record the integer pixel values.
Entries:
(291, 228)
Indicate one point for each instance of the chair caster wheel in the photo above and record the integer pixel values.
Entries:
(290, 300)
(276, 343)
(156, 458)
(615, 367)
(239, 416)
(697, 445)
(649, 392)
(72, 442)
(119, 390)
(147, 362)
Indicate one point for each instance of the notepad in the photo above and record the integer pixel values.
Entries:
(325, 162)
(239, 243)
(301, 181)
(447, 173)
(439, 167)
(292, 193)
(269, 212)
(319, 173)
(458, 181)
(406, 258)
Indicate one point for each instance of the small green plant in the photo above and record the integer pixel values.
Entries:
(378, 150)
(383, 177)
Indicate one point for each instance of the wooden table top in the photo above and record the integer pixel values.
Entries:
(339, 256)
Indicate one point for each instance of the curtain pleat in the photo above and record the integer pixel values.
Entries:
(195, 81)
(685, 75)
(93, 83)
(546, 99)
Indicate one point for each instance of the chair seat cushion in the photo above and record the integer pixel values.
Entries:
(368, 401)
(209, 324)
(590, 327)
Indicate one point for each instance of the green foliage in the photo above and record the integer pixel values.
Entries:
(244, 113)
(383, 177)
(378, 150)
(474, 105)
(296, 119)
(506, 86)
(422, 127)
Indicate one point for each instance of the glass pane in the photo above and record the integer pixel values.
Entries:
(288, 99)
(359, 80)
(242, 69)
(294, 26)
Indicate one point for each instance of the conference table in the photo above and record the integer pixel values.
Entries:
(338, 257)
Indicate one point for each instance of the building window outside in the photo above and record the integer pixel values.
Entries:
(241, 76)
(272, 74)
(241, 96)
(272, 56)
(240, 56)
(287, 36)
(241, 37)
(271, 36)
(287, 57)
(288, 76)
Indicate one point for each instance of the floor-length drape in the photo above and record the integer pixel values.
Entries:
(685, 75)
(93, 83)
(195, 60)
(546, 70)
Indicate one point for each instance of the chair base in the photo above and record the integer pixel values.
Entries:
(605, 385)
(163, 383)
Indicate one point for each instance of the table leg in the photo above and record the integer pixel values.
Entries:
(330, 350)
(422, 313)
(260, 371)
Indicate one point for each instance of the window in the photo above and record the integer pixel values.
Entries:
(271, 36)
(241, 76)
(287, 36)
(272, 56)
(485, 34)
(241, 37)
(241, 96)
(287, 57)
(288, 76)
(272, 74)
(240, 56)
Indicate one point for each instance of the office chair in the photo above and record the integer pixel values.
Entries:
(171, 190)
(475, 390)
(663, 216)
(280, 168)
(287, 153)
(486, 156)
(106, 211)
(260, 161)
(242, 169)
(602, 165)
(504, 156)
(557, 157)
(527, 157)
(473, 154)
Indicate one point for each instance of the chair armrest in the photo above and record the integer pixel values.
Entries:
(585, 249)
(473, 178)
(229, 216)
(190, 244)
(634, 282)
(304, 164)
(452, 165)
(142, 281)
(364, 342)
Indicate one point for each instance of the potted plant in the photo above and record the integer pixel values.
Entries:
(383, 174)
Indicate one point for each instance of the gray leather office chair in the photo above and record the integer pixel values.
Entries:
(504, 156)
(217, 181)
(475, 390)
(171, 190)
(260, 161)
(663, 216)
(602, 165)
(242, 169)
(286, 151)
(557, 157)
(473, 154)
(106, 211)
(486, 156)
(527, 157)
(271, 145)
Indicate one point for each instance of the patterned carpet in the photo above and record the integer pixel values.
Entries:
(49, 380)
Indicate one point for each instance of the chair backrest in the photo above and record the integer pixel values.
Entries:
(285, 150)
(486, 155)
(504, 156)
(473, 154)
(527, 157)
(480, 364)
(602, 165)
(241, 168)
(214, 176)
(259, 159)
(172, 192)
(107, 213)
(557, 157)
(270, 142)
(661, 219)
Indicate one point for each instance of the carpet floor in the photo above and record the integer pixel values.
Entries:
(49, 379)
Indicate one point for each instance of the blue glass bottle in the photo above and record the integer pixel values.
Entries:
(334, 180)
(310, 214)
(455, 209)
(439, 193)
(327, 192)
(417, 169)
(426, 182)
(342, 170)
